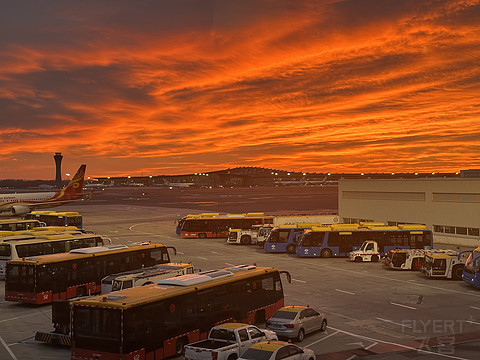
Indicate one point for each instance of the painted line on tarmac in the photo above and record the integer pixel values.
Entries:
(8, 349)
(214, 252)
(344, 291)
(336, 268)
(19, 317)
(203, 258)
(369, 346)
(474, 307)
(300, 281)
(326, 337)
(472, 322)
(397, 344)
(393, 322)
(405, 306)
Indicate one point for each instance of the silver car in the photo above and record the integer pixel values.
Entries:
(294, 322)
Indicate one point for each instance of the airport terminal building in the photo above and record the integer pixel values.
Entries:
(450, 207)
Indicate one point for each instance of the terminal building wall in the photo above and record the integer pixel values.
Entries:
(449, 207)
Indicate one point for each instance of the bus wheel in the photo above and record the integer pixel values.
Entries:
(202, 235)
(417, 264)
(326, 253)
(291, 249)
(245, 240)
(457, 272)
(358, 259)
(374, 258)
(233, 357)
(180, 346)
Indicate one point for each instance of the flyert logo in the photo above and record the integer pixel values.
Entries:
(443, 339)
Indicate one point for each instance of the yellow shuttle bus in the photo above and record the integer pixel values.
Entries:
(157, 321)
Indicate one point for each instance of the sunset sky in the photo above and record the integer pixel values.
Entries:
(173, 87)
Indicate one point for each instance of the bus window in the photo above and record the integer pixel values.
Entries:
(159, 255)
(5, 250)
(333, 239)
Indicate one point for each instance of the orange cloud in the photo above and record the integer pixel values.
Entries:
(310, 86)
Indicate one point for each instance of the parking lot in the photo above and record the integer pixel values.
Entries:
(370, 310)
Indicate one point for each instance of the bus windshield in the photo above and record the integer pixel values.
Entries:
(98, 328)
(472, 262)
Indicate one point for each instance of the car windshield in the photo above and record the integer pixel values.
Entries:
(289, 315)
(256, 354)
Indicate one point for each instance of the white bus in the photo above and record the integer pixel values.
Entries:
(22, 246)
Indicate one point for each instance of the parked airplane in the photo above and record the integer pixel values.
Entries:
(290, 182)
(304, 181)
(98, 185)
(23, 203)
(177, 184)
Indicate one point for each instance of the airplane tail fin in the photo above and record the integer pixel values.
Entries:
(75, 185)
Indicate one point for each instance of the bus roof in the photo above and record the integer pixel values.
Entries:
(170, 287)
(56, 213)
(383, 227)
(369, 228)
(4, 233)
(371, 223)
(15, 221)
(152, 271)
(207, 216)
(40, 239)
(54, 228)
(412, 227)
(82, 253)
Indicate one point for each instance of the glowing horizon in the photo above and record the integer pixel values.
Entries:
(162, 88)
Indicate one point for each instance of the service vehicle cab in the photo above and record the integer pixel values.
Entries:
(408, 259)
(448, 265)
(243, 236)
(227, 341)
(367, 252)
(273, 350)
(294, 322)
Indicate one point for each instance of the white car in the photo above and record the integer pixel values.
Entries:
(274, 349)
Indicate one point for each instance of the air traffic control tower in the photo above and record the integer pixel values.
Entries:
(58, 165)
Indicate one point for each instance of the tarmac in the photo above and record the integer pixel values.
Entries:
(372, 313)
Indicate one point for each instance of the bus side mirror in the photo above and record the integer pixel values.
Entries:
(289, 277)
(173, 248)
